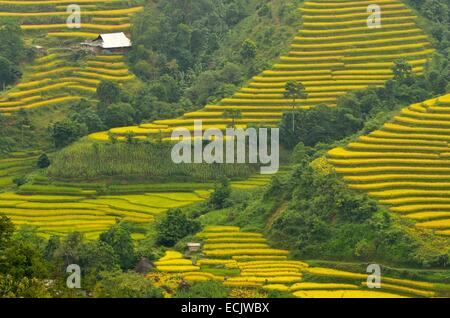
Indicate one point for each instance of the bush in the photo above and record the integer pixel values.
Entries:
(125, 285)
(210, 289)
(220, 197)
(174, 226)
(43, 161)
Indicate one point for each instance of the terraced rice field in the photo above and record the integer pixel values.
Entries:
(50, 82)
(245, 260)
(17, 164)
(405, 164)
(54, 78)
(335, 52)
(60, 207)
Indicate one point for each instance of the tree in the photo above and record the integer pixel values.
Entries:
(9, 73)
(294, 90)
(97, 257)
(402, 71)
(108, 92)
(22, 259)
(233, 114)
(125, 285)
(219, 199)
(53, 244)
(43, 161)
(85, 113)
(436, 11)
(248, 50)
(23, 287)
(231, 73)
(69, 251)
(65, 132)
(6, 231)
(119, 238)
(175, 226)
(118, 115)
(11, 42)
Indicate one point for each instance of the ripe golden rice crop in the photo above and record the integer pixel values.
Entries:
(178, 269)
(349, 22)
(436, 224)
(44, 66)
(312, 9)
(49, 102)
(344, 294)
(73, 34)
(324, 286)
(114, 19)
(343, 153)
(230, 235)
(407, 290)
(230, 252)
(243, 284)
(392, 177)
(33, 83)
(363, 34)
(342, 4)
(402, 184)
(344, 16)
(112, 27)
(278, 287)
(249, 258)
(271, 274)
(169, 255)
(415, 199)
(218, 228)
(111, 57)
(420, 207)
(174, 262)
(105, 77)
(100, 136)
(54, 71)
(375, 140)
(115, 72)
(64, 13)
(39, 90)
(272, 263)
(83, 88)
(420, 216)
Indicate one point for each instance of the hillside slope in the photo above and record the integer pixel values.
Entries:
(61, 75)
(334, 52)
(405, 164)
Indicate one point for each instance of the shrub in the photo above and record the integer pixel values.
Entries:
(43, 161)
(174, 226)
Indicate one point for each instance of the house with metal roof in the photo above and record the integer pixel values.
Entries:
(110, 41)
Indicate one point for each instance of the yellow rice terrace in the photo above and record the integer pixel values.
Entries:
(244, 260)
(404, 164)
(333, 53)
